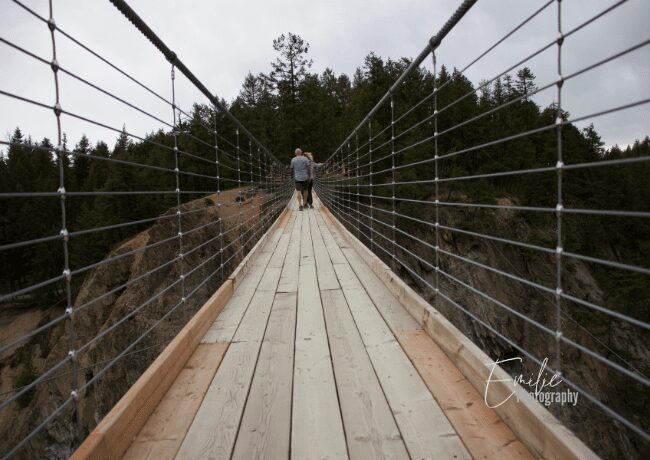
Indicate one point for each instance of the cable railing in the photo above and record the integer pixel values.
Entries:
(138, 240)
(507, 218)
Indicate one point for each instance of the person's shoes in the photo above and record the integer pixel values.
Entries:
(300, 208)
(311, 206)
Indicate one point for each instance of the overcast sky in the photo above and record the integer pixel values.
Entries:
(221, 41)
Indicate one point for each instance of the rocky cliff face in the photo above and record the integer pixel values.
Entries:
(147, 264)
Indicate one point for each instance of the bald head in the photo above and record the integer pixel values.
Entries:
(298, 152)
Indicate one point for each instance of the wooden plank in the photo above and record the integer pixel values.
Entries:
(333, 248)
(289, 277)
(161, 436)
(317, 429)
(284, 243)
(480, 428)
(424, 427)
(326, 276)
(484, 433)
(266, 424)
(253, 324)
(113, 435)
(543, 434)
(212, 433)
(306, 247)
(271, 237)
(224, 327)
(214, 430)
(388, 305)
(269, 281)
(370, 428)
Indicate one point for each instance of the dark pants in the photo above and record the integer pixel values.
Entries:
(301, 187)
(310, 199)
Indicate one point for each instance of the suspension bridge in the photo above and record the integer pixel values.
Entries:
(356, 329)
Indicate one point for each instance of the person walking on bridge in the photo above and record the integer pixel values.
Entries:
(312, 165)
(300, 169)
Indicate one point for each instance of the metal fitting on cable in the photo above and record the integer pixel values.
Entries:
(72, 354)
(64, 234)
(51, 24)
(67, 274)
(54, 65)
(74, 395)
(57, 109)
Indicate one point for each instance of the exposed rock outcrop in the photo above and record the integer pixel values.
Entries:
(149, 266)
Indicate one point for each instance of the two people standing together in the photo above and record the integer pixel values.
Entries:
(302, 167)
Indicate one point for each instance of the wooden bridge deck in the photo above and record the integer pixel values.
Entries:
(313, 357)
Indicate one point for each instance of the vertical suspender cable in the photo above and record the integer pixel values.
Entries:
(61, 156)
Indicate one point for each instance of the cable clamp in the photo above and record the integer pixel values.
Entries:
(74, 395)
(54, 65)
(64, 234)
(558, 336)
(57, 109)
(51, 24)
(559, 208)
(72, 354)
(69, 311)
(67, 274)
(560, 39)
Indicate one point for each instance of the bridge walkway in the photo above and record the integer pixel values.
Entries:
(313, 357)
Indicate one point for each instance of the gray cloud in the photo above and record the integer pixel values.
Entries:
(222, 41)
